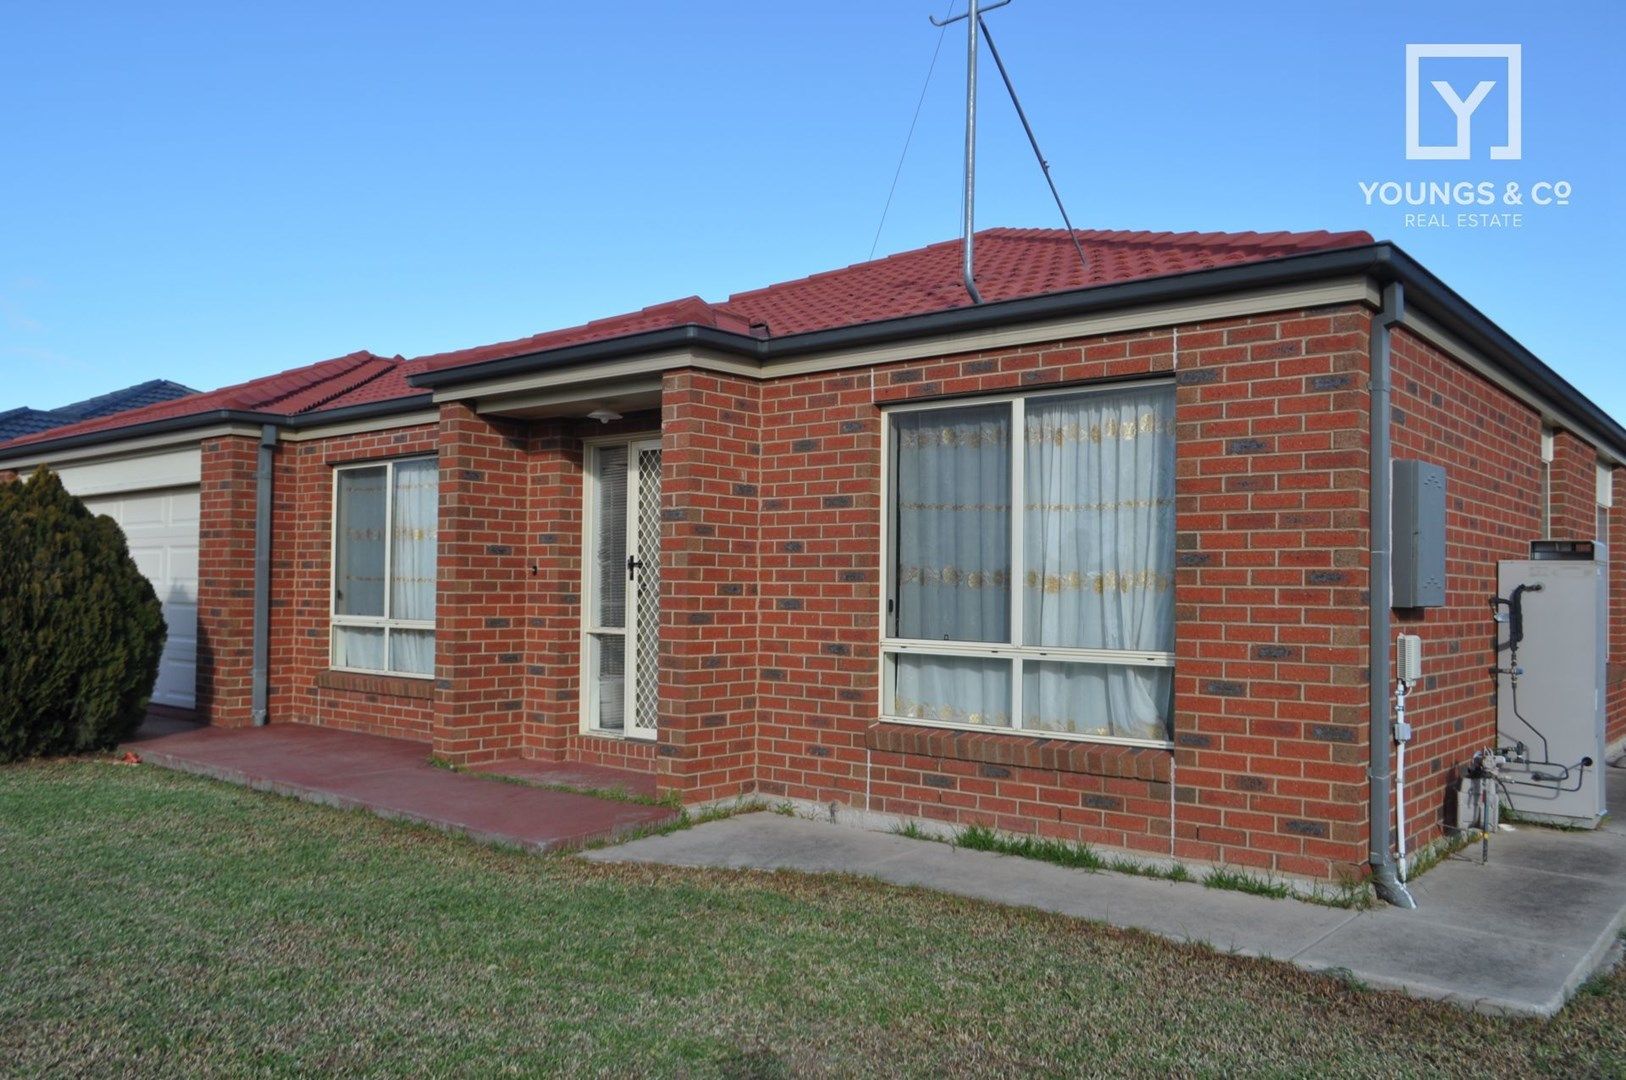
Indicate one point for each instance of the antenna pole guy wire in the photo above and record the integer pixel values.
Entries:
(909, 138)
(974, 22)
(1044, 166)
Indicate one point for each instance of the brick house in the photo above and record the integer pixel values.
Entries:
(769, 547)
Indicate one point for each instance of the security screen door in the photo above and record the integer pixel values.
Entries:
(621, 614)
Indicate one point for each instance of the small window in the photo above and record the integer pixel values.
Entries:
(1030, 564)
(384, 537)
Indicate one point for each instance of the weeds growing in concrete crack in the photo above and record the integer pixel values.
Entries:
(1353, 894)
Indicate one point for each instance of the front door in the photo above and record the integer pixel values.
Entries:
(621, 615)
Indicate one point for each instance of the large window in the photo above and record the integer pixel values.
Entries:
(384, 530)
(1057, 619)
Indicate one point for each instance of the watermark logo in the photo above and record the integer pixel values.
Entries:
(1463, 108)
(1466, 103)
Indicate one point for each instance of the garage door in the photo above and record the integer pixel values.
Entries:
(162, 530)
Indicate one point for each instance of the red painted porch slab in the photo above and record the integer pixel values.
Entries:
(393, 778)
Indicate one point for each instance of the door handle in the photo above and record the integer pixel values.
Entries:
(632, 567)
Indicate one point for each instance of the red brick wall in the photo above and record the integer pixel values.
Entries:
(1273, 556)
(301, 590)
(710, 482)
(1574, 489)
(1490, 447)
(1269, 683)
(481, 602)
(226, 508)
(551, 634)
(771, 587)
(817, 552)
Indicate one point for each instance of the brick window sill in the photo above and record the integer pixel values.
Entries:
(382, 685)
(1023, 751)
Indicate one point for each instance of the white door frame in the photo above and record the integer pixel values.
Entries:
(635, 597)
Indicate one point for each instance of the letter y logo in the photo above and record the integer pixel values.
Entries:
(1463, 108)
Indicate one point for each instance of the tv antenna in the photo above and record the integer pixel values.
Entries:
(973, 23)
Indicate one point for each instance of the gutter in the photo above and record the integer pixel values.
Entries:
(1380, 590)
(262, 574)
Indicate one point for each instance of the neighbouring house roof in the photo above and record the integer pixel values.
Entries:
(290, 393)
(1019, 271)
(15, 423)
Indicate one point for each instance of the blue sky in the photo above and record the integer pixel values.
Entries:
(209, 192)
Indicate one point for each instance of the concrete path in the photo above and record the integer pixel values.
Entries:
(392, 778)
(1516, 935)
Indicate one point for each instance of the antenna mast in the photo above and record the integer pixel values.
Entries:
(972, 18)
(973, 22)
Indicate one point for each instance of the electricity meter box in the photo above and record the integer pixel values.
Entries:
(1560, 692)
(1418, 532)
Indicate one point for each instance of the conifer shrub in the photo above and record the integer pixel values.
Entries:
(81, 629)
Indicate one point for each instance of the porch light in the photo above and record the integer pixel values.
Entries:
(604, 416)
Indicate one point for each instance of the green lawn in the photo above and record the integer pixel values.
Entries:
(153, 923)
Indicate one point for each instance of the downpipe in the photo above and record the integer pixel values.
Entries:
(1381, 737)
(262, 574)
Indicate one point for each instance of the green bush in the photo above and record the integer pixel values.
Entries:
(81, 629)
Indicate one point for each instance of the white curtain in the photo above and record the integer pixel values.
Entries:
(610, 551)
(954, 535)
(953, 689)
(1098, 558)
(360, 647)
(412, 652)
(413, 538)
(610, 535)
(953, 480)
(359, 589)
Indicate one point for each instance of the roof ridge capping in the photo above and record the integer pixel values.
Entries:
(263, 393)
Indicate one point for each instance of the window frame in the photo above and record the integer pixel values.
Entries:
(383, 622)
(892, 646)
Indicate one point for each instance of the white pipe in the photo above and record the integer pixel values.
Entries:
(1400, 780)
(1400, 806)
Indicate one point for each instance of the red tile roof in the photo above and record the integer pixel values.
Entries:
(1011, 263)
